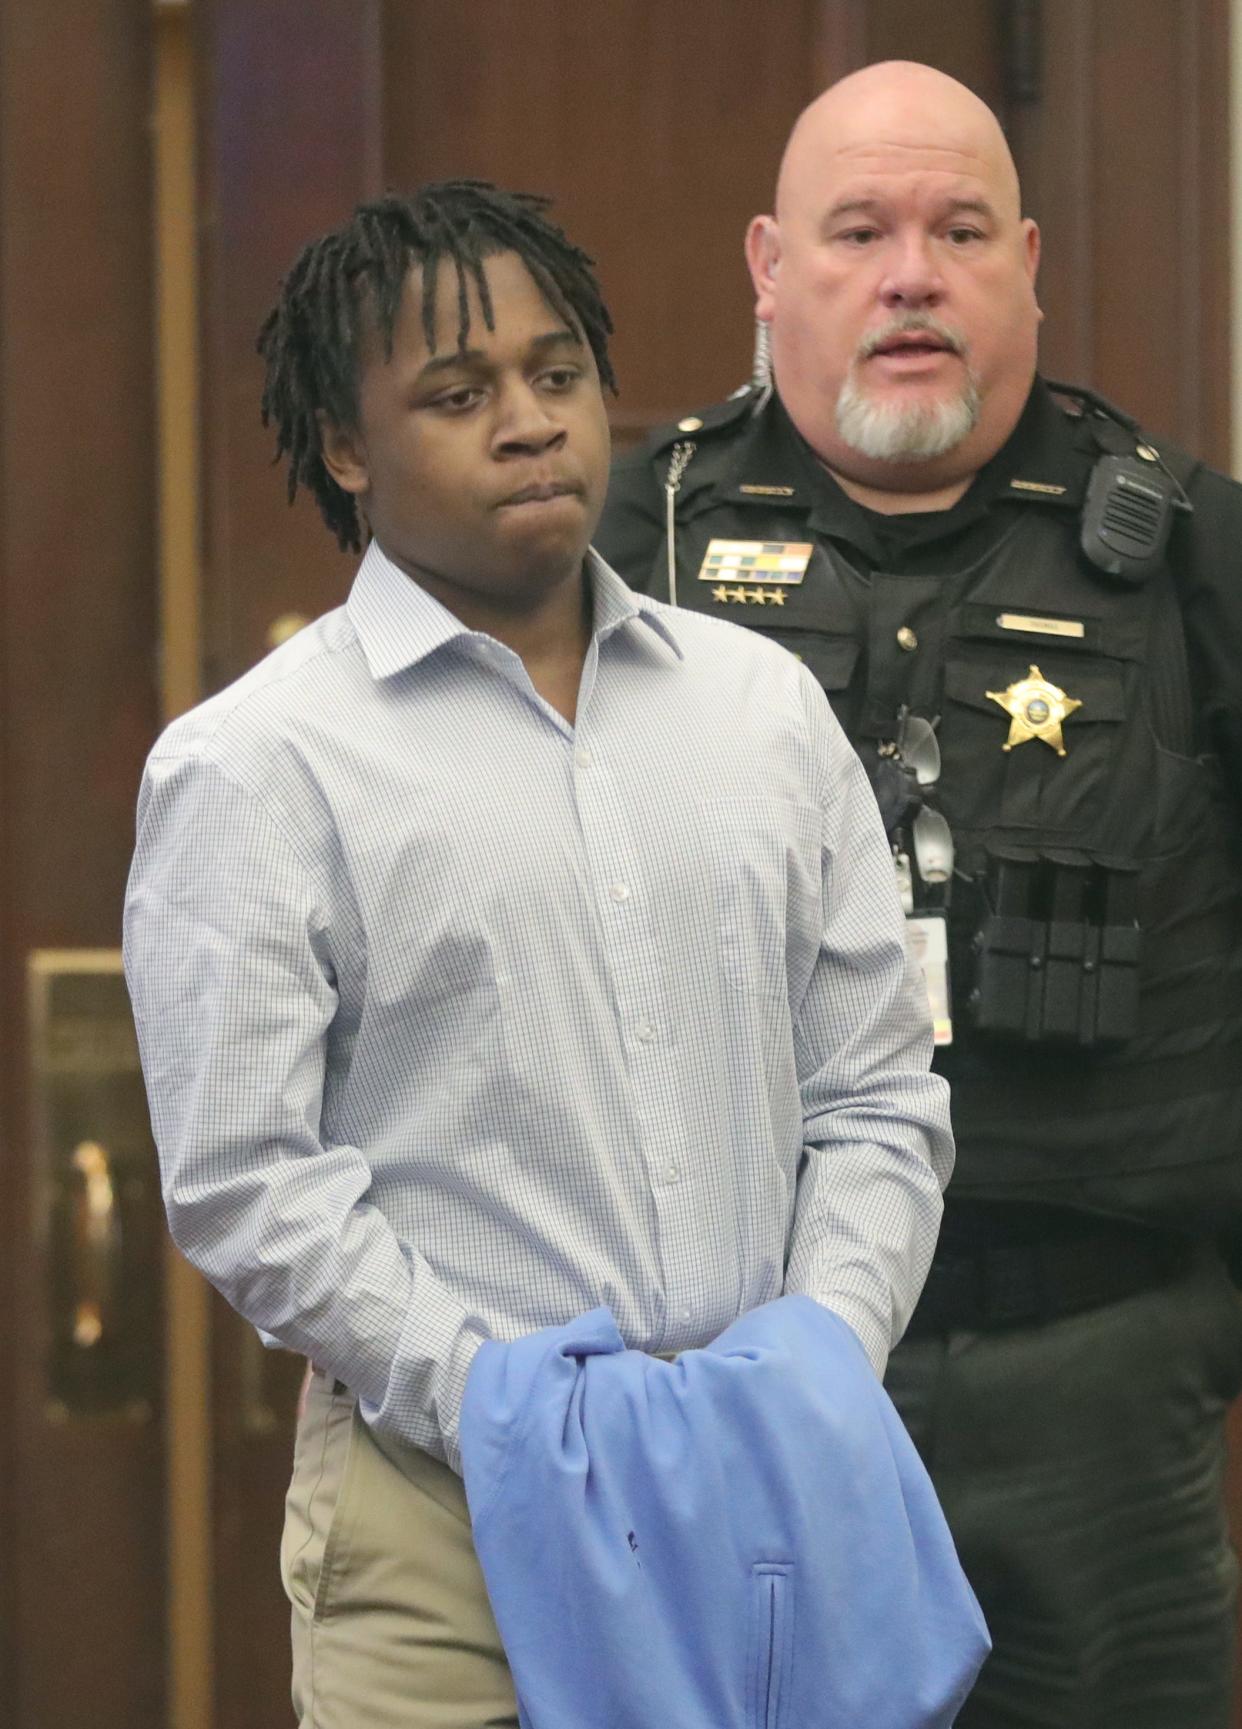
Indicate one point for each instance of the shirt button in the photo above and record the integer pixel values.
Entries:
(620, 891)
(907, 639)
(582, 756)
(671, 1173)
(646, 1032)
(687, 1314)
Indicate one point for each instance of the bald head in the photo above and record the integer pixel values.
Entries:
(897, 276)
(897, 108)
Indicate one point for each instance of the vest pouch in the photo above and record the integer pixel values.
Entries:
(1056, 951)
(830, 659)
(1029, 786)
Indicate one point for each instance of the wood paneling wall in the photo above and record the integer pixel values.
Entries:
(1118, 116)
(1126, 163)
(289, 133)
(81, 1546)
(656, 128)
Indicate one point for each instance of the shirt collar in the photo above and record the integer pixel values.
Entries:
(616, 604)
(399, 624)
(1039, 463)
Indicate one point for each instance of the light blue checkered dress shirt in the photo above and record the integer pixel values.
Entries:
(458, 1020)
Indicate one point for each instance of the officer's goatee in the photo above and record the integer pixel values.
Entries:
(907, 431)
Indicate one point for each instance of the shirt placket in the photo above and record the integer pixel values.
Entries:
(623, 892)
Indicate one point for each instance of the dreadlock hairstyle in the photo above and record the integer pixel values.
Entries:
(310, 340)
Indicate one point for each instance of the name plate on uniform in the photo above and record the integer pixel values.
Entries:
(756, 561)
(1041, 626)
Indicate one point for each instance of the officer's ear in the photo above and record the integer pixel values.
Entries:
(763, 256)
(1030, 260)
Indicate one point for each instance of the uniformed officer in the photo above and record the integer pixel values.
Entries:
(1028, 617)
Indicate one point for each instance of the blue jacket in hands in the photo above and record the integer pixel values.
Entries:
(742, 1539)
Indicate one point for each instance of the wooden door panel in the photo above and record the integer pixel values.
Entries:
(1125, 166)
(289, 143)
(81, 1495)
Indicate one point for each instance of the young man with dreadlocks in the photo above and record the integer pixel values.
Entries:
(466, 1001)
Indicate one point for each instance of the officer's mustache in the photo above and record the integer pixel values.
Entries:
(907, 323)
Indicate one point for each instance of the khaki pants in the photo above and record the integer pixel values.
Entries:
(392, 1628)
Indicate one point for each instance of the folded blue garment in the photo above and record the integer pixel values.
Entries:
(741, 1539)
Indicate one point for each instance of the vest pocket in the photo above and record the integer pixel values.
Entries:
(770, 1645)
(1028, 786)
(830, 659)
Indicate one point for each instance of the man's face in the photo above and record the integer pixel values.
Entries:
(898, 282)
(482, 472)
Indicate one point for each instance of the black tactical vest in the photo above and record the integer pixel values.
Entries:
(1096, 914)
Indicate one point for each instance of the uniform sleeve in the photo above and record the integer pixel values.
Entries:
(631, 531)
(878, 1148)
(1209, 577)
(231, 955)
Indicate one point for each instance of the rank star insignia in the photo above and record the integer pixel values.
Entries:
(1036, 709)
(748, 596)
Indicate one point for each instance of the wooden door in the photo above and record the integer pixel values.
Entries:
(81, 1426)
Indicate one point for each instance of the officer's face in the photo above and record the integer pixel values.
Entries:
(481, 473)
(898, 281)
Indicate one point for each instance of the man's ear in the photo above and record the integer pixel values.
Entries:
(1030, 259)
(344, 455)
(763, 256)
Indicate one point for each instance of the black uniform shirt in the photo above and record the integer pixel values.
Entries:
(747, 469)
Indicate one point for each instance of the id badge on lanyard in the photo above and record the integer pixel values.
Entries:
(927, 936)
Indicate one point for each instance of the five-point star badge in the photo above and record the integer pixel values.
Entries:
(1036, 709)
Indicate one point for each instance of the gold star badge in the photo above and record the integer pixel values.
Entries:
(1036, 709)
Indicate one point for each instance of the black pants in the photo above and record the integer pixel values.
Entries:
(1080, 1466)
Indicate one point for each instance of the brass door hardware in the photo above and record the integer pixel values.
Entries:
(96, 1190)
